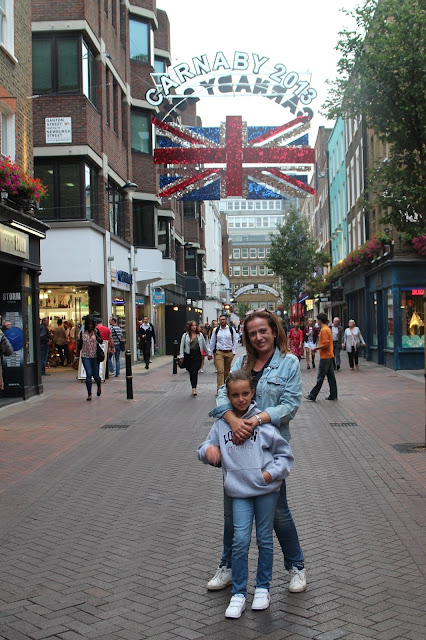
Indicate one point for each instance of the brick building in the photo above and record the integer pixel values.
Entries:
(20, 232)
(114, 246)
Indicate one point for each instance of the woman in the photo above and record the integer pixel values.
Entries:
(202, 329)
(352, 340)
(70, 333)
(89, 338)
(6, 349)
(191, 346)
(276, 373)
(295, 338)
(310, 337)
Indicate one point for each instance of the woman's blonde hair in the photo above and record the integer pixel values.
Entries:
(276, 328)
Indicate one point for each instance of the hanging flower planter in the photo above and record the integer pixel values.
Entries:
(18, 185)
(419, 245)
(367, 253)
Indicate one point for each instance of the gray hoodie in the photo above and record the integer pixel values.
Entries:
(242, 465)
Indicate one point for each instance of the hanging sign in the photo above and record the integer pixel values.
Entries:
(261, 287)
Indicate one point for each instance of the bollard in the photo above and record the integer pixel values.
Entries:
(129, 377)
(175, 354)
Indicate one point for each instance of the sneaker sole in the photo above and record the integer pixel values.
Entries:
(235, 617)
(298, 590)
(214, 588)
(260, 608)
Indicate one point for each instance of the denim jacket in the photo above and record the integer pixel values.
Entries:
(278, 392)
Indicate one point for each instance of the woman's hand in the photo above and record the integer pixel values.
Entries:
(267, 477)
(181, 360)
(213, 455)
(241, 429)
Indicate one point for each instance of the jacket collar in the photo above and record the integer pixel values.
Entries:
(276, 359)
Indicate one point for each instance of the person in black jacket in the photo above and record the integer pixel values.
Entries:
(146, 334)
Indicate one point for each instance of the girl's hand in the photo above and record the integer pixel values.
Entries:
(213, 455)
(267, 477)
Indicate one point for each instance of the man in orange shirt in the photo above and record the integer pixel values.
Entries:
(326, 365)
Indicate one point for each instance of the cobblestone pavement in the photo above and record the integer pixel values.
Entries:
(112, 533)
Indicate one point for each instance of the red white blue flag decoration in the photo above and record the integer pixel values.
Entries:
(210, 163)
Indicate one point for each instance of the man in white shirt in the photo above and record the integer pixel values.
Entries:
(223, 343)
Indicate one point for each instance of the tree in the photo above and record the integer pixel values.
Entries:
(293, 256)
(381, 76)
(242, 308)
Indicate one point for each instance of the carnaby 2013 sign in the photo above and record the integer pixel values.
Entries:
(241, 74)
(233, 160)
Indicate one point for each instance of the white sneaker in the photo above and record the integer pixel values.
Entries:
(201, 370)
(297, 580)
(221, 579)
(236, 606)
(261, 599)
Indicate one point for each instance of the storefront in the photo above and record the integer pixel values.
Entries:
(20, 236)
(68, 302)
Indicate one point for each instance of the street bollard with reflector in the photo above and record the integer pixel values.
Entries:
(129, 377)
(175, 354)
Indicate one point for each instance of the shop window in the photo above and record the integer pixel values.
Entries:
(115, 210)
(143, 224)
(139, 34)
(412, 318)
(389, 319)
(252, 253)
(245, 271)
(63, 65)
(165, 237)
(71, 191)
(244, 253)
(141, 131)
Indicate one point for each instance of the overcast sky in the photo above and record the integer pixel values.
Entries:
(301, 35)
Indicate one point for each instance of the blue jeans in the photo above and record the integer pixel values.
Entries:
(44, 352)
(116, 355)
(262, 508)
(326, 368)
(284, 527)
(91, 366)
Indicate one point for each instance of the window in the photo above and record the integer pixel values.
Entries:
(231, 223)
(7, 135)
(141, 131)
(160, 65)
(189, 210)
(115, 102)
(165, 236)
(270, 272)
(262, 270)
(63, 65)
(271, 306)
(139, 34)
(253, 270)
(237, 270)
(244, 253)
(7, 25)
(237, 205)
(261, 252)
(245, 271)
(71, 190)
(268, 252)
(236, 254)
(143, 224)
(250, 223)
(230, 272)
(412, 318)
(254, 305)
(389, 319)
(115, 210)
(252, 253)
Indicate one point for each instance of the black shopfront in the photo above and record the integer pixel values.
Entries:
(20, 235)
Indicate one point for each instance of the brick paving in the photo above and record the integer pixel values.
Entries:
(113, 533)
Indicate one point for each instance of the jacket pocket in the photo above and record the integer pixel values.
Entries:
(276, 385)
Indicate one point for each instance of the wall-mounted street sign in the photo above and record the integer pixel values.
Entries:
(238, 74)
(261, 287)
(58, 130)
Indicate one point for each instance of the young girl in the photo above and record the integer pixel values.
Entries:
(252, 474)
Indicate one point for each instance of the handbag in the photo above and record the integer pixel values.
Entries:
(100, 355)
(122, 345)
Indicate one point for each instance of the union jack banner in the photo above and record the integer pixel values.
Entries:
(233, 160)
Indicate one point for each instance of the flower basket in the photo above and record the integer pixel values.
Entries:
(18, 185)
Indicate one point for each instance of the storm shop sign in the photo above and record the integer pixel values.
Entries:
(243, 74)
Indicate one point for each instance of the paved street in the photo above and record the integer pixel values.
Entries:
(112, 533)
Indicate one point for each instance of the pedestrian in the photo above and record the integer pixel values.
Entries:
(146, 335)
(70, 334)
(326, 365)
(45, 341)
(337, 332)
(252, 477)
(106, 337)
(191, 345)
(310, 337)
(60, 342)
(213, 326)
(278, 384)
(224, 343)
(352, 341)
(295, 338)
(6, 349)
(202, 329)
(87, 348)
(116, 334)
